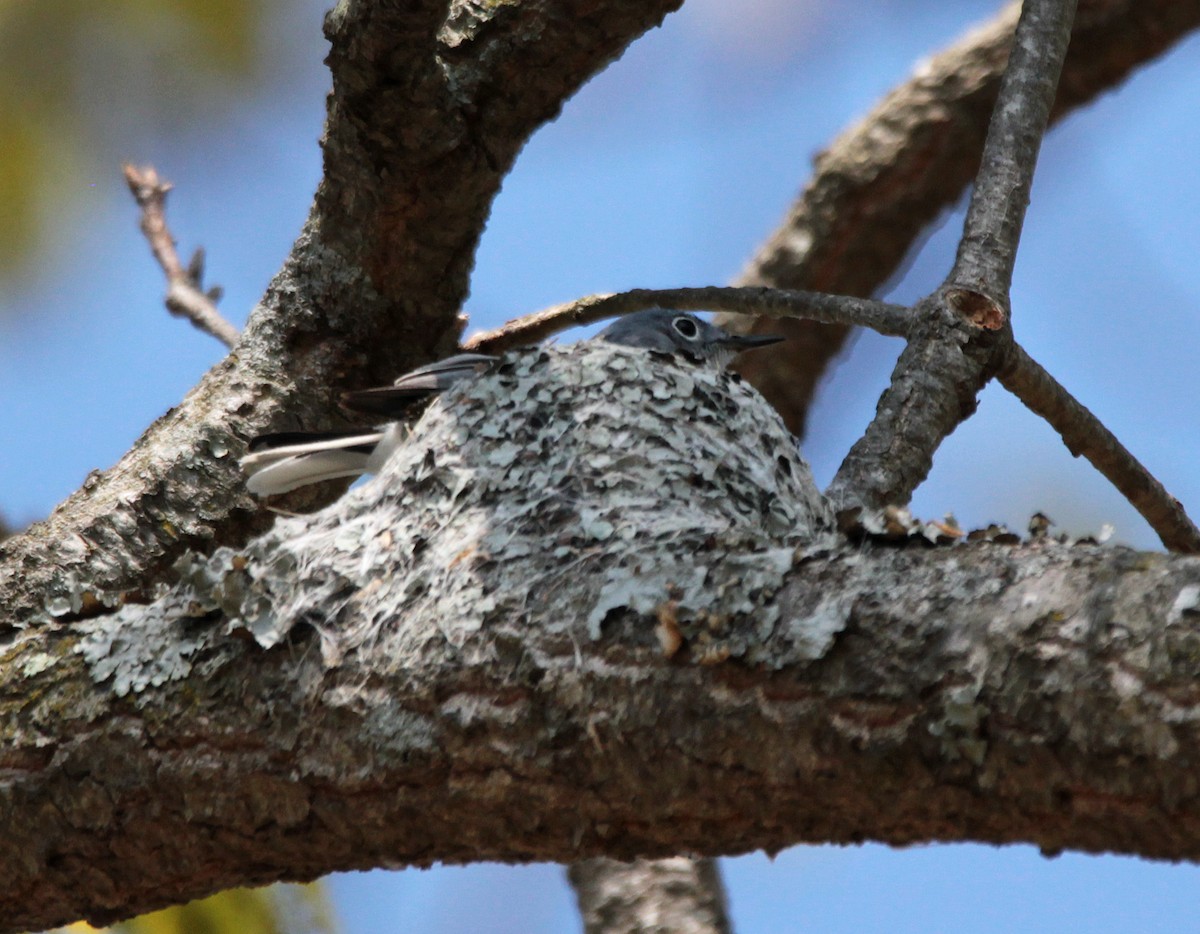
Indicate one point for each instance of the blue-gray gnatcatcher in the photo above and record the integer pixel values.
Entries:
(279, 463)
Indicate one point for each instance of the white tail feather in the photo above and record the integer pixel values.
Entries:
(286, 468)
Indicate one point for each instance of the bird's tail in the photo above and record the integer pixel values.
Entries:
(280, 463)
(283, 462)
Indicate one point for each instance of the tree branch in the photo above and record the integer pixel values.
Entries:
(1086, 435)
(774, 304)
(519, 743)
(186, 297)
(987, 252)
(953, 352)
(883, 181)
(932, 391)
(430, 133)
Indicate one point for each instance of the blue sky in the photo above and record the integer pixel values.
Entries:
(668, 170)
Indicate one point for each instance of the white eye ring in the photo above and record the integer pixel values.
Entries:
(686, 327)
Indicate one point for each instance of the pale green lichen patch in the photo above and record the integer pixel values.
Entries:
(36, 662)
(145, 647)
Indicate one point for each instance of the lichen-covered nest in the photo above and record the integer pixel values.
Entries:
(566, 485)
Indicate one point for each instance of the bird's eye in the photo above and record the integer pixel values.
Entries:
(686, 327)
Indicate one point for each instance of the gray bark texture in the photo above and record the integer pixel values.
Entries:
(664, 896)
(431, 103)
(630, 634)
(518, 651)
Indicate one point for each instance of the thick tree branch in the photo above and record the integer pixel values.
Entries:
(1050, 699)
(372, 285)
(883, 181)
(420, 140)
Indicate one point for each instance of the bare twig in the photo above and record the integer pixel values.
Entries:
(887, 319)
(186, 296)
(1086, 435)
(987, 251)
(982, 276)
(961, 333)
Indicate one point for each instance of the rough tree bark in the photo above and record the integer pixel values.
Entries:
(1043, 694)
(154, 753)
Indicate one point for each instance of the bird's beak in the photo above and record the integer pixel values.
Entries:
(740, 342)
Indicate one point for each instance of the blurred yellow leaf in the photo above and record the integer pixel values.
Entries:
(277, 909)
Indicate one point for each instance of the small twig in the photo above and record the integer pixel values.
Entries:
(887, 319)
(186, 296)
(979, 284)
(982, 272)
(1085, 435)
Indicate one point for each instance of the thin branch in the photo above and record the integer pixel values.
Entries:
(186, 296)
(961, 332)
(932, 391)
(1085, 435)
(892, 320)
(987, 251)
